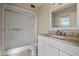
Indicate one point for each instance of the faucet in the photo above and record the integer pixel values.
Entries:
(60, 33)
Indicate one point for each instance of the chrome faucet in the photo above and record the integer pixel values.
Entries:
(60, 33)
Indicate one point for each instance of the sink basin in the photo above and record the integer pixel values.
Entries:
(54, 36)
(58, 36)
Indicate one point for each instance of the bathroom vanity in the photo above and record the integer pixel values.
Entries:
(64, 17)
(52, 46)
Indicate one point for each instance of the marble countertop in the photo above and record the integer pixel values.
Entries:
(65, 39)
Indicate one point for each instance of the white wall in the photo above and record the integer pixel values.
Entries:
(44, 18)
(1, 29)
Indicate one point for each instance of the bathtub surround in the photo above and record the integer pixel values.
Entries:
(20, 28)
(24, 20)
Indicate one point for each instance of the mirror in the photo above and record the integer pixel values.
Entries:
(65, 16)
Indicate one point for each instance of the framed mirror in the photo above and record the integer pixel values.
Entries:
(64, 16)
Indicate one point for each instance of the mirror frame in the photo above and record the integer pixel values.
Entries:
(59, 28)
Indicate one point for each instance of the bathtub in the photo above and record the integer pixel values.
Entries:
(28, 50)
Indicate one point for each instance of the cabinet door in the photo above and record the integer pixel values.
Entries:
(64, 54)
(50, 51)
(40, 48)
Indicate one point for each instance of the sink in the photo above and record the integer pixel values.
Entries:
(58, 36)
(66, 38)
(53, 35)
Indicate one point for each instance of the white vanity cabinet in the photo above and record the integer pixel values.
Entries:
(48, 46)
(45, 48)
